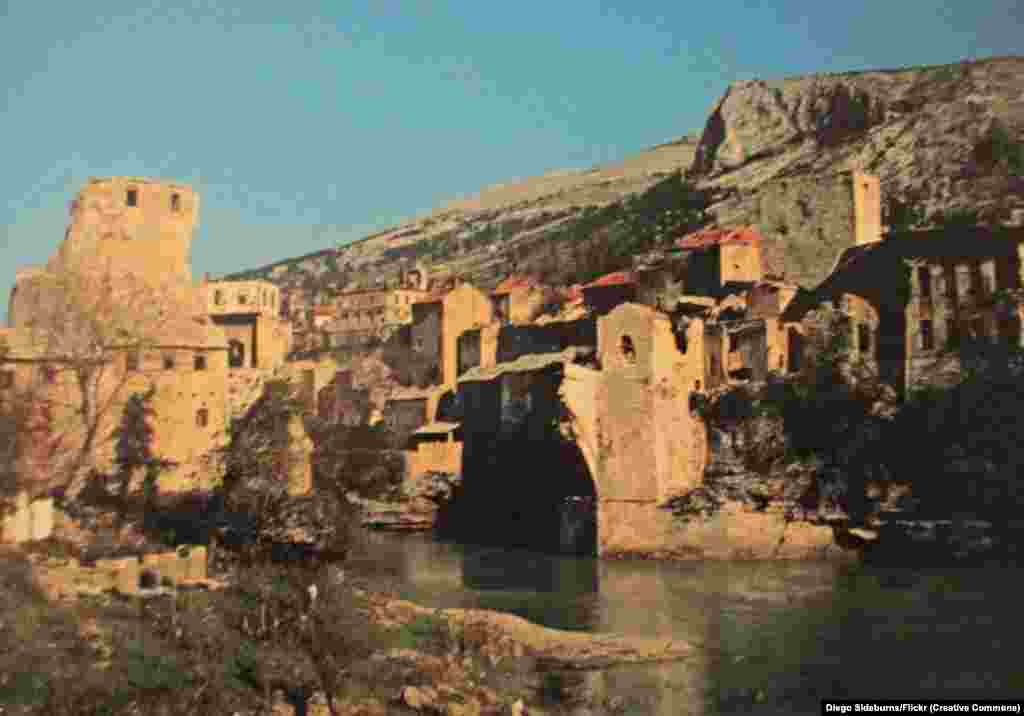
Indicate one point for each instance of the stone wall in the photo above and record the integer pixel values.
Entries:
(151, 239)
(739, 261)
(405, 416)
(465, 308)
(525, 303)
(426, 332)
(806, 222)
(32, 519)
(126, 574)
(242, 297)
(189, 410)
(433, 456)
(649, 446)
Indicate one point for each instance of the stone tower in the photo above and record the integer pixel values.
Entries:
(131, 225)
(137, 231)
(867, 207)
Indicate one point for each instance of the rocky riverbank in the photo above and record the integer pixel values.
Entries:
(247, 637)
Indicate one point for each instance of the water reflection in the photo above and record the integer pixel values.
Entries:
(771, 637)
(560, 592)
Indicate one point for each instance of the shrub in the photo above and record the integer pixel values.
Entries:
(424, 632)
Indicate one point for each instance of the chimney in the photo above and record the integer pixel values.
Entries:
(867, 208)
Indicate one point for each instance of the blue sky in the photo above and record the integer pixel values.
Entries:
(306, 123)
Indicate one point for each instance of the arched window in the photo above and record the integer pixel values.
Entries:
(243, 299)
(202, 418)
(218, 297)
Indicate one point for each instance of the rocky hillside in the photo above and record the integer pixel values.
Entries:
(945, 138)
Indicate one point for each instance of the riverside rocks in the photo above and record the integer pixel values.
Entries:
(417, 506)
(506, 635)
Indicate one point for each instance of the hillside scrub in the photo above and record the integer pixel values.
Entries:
(604, 239)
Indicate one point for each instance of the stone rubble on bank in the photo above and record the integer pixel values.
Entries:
(417, 506)
(506, 635)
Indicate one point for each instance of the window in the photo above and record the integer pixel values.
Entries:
(168, 361)
(863, 337)
(243, 299)
(175, 203)
(132, 197)
(131, 361)
(202, 418)
(628, 350)
(924, 282)
(927, 339)
(199, 361)
(218, 297)
(6, 379)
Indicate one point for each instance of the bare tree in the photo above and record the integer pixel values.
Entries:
(88, 332)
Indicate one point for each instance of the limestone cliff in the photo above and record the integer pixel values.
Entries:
(926, 132)
(766, 154)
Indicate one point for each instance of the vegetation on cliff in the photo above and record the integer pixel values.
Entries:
(832, 432)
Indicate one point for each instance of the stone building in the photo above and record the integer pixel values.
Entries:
(406, 410)
(117, 303)
(434, 447)
(806, 222)
(425, 335)
(715, 262)
(455, 330)
(520, 299)
(605, 293)
(248, 313)
(910, 297)
(364, 316)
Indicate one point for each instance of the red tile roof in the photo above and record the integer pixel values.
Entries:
(513, 282)
(573, 293)
(713, 237)
(619, 278)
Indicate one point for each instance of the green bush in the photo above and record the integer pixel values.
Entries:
(424, 631)
(145, 670)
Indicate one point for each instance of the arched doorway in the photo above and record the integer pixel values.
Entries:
(236, 353)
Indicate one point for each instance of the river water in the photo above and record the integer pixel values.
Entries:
(771, 637)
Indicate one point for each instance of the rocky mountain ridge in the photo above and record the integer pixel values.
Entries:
(944, 138)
